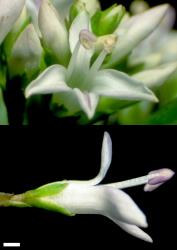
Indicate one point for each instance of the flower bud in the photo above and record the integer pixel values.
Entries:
(54, 32)
(106, 22)
(18, 27)
(26, 53)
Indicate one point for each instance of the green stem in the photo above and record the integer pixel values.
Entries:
(11, 200)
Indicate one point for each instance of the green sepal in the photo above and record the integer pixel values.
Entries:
(106, 22)
(42, 197)
(48, 189)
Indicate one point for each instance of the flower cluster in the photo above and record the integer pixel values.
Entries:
(88, 197)
(96, 66)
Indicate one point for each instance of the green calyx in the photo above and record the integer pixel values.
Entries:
(42, 197)
(106, 22)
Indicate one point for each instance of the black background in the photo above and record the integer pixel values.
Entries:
(33, 157)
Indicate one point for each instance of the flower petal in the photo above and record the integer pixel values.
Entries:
(78, 68)
(75, 101)
(50, 81)
(106, 157)
(9, 12)
(81, 22)
(133, 230)
(112, 83)
(110, 202)
(87, 101)
(32, 7)
(133, 31)
(63, 5)
(54, 32)
(157, 76)
(122, 207)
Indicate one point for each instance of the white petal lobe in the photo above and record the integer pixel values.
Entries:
(134, 231)
(52, 80)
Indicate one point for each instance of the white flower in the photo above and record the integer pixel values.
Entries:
(87, 197)
(80, 85)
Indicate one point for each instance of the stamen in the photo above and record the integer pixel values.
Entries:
(129, 183)
(160, 176)
(153, 180)
(87, 39)
(107, 42)
(98, 62)
(157, 178)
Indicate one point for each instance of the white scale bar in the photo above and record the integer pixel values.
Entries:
(13, 244)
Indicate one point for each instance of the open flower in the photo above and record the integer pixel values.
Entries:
(80, 84)
(88, 197)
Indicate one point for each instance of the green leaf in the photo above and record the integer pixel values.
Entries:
(166, 115)
(3, 110)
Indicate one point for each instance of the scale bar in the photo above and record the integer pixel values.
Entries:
(12, 244)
